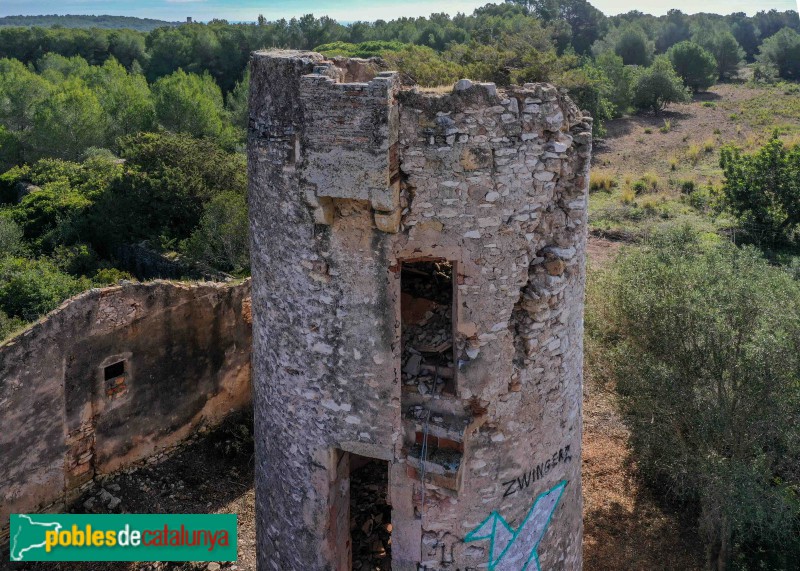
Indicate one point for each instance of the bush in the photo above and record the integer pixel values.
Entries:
(11, 242)
(109, 276)
(221, 241)
(424, 66)
(657, 86)
(763, 188)
(620, 78)
(781, 53)
(696, 66)
(704, 344)
(362, 50)
(589, 87)
(31, 288)
(9, 325)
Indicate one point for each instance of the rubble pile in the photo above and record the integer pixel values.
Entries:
(370, 518)
(427, 326)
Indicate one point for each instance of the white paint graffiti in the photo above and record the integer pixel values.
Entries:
(511, 550)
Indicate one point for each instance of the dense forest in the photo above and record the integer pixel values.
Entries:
(75, 21)
(90, 118)
(122, 138)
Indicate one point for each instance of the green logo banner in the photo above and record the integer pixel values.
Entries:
(123, 537)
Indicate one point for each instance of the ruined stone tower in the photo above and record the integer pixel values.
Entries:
(418, 277)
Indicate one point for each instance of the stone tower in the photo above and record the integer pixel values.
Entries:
(418, 278)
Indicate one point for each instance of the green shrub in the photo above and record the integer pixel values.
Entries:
(11, 238)
(703, 341)
(362, 50)
(657, 86)
(221, 240)
(109, 276)
(763, 189)
(687, 186)
(424, 66)
(31, 288)
(590, 88)
(9, 325)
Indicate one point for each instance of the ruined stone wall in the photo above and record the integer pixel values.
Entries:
(494, 182)
(185, 351)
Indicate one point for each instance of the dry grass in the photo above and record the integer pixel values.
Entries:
(628, 195)
(693, 153)
(652, 180)
(602, 179)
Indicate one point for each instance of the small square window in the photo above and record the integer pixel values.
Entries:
(114, 370)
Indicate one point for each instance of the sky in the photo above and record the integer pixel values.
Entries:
(344, 10)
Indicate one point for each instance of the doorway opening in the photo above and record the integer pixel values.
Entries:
(370, 514)
(426, 315)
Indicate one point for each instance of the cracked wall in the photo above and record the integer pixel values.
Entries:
(348, 181)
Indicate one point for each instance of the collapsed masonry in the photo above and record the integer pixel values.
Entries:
(418, 277)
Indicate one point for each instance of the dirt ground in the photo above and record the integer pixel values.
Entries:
(728, 113)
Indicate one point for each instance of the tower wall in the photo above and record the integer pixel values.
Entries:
(349, 183)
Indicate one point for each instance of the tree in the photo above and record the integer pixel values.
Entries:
(590, 88)
(586, 23)
(782, 51)
(633, 46)
(125, 98)
(171, 178)
(745, 32)
(68, 122)
(128, 46)
(673, 31)
(725, 49)
(772, 22)
(763, 189)
(657, 86)
(21, 91)
(237, 102)
(705, 351)
(621, 78)
(221, 240)
(189, 103)
(696, 66)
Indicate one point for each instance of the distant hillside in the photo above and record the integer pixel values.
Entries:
(75, 21)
